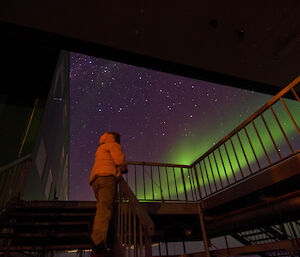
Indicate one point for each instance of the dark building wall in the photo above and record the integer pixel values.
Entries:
(15, 114)
(49, 176)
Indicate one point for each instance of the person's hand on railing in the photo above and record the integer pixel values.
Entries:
(122, 168)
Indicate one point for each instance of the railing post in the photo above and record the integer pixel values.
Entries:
(201, 217)
(148, 245)
(184, 187)
(203, 230)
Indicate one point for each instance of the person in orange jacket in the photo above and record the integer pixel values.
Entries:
(108, 167)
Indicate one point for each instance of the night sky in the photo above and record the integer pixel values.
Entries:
(161, 117)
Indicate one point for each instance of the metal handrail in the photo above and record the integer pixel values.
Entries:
(158, 164)
(251, 118)
(13, 179)
(14, 163)
(221, 166)
(135, 227)
(137, 207)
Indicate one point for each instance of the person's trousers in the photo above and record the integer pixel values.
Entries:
(105, 190)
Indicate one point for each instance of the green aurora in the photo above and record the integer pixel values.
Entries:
(212, 174)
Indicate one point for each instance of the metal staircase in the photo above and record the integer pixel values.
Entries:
(243, 194)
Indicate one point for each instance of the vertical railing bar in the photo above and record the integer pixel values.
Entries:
(193, 179)
(195, 182)
(161, 192)
(267, 127)
(119, 212)
(245, 156)
(2, 176)
(175, 183)
(294, 232)
(3, 195)
(286, 139)
(184, 186)
(135, 182)
(252, 148)
(217, 169)
(141, 239)
(226, 242)
(223, 165)
(183, 244)
(8, 188)
(198, 183)
(166, 169)
(288, 224)
(144, 182)
(159, 249)
(134, 234)
(125, 222)
(268, 158)
(13, 181)
(229, 162)
(203, 229)
(129, 232)
(167, 250)
(152, 182)
(237, 159)
(122, 210)
(205, 168)
(201, 172)
(289, 113)
(148, 245)
(192, 190)
(212, 172)
(296, 95)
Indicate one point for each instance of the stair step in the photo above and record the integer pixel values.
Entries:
(47, 234)
(44, 223)
(47, 247)
(60, 214)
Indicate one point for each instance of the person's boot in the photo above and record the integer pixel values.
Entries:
(101, 250)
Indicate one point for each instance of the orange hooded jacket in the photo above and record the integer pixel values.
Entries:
(108, 155)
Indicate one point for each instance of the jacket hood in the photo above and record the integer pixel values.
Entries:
(106, 137)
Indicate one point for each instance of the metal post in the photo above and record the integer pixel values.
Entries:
(148, 245)
(203, 230)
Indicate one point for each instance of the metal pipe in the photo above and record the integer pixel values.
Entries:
(268, 158)
(286, 139)
(152, 182)
(175, 183)
(277, 150)
(203, 182)
(296, 95)
(167, 176)
(221, 181)
(252, 148)
(184, 186)
(160, 187)
(205, 168)
(203, 230)
(212, 172)
(237, 159)
(290, 115)
(223, 166)
(232, 170)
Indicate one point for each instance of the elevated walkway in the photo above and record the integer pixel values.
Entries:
(266, 200)
(246, 188)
